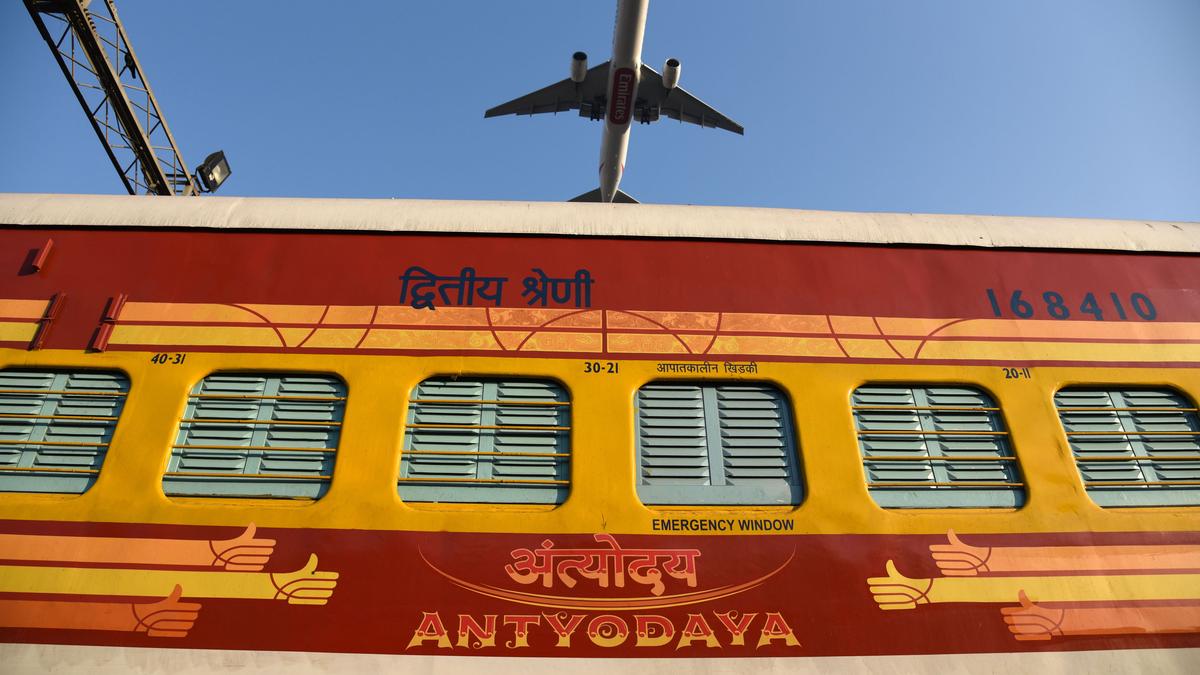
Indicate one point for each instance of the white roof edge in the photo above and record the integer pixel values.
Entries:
(619, 220)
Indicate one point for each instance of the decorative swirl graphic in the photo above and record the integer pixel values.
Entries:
(896, 591)
(1031, 622)
(305, 586)
(243, 553)
(609, 603)
(959, 559)
(168, 617)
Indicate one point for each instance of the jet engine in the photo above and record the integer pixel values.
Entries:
(578, 67)
(670, 74)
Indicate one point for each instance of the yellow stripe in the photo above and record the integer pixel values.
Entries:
(306, 585)
(656, 333)
(1094, 352)
(207, 336)
(11, 331)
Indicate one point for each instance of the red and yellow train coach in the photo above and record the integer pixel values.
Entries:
(319, 433)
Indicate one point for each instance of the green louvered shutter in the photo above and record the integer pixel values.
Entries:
(258, 435)
(1133, 447)
(487, 441)
(55, 428)
(715, 444)
(935, 447)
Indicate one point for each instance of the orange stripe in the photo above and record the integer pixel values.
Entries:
(957, 558)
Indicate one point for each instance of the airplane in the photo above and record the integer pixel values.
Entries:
(619, 91)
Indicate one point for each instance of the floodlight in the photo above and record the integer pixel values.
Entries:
(213, 171)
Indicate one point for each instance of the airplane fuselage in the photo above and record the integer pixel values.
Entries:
(623, 74)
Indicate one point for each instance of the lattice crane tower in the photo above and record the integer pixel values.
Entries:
(91, 46)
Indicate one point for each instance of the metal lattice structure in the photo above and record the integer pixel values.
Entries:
(91, 46)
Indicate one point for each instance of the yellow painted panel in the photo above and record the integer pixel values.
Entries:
(23, 309)
(10, 331)
(911, 327)
(335, 338)
(442, 316)
(854, 325)
(536, 318)
(351, 314)
(589, 319)
(564, 342)
(603, 495)
(512, 339)
(190, 312)
(391, 338)
(682, 320)
(1062, 351)
(868, 349)
(198, 336)
(907, 348)
(775, 323)
(758, 345)
(697, 343)
(629, 320)
(289, 313)
(308, 585)
(292, 337)
(642, 343)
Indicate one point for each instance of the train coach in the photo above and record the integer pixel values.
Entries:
(323, 434)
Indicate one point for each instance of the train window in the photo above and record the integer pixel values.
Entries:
(1133, 447)
(257, 435)
(55, 427)
(935, 447)
(710, 443)
(487, 441)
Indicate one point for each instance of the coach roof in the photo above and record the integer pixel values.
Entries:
(600, 220)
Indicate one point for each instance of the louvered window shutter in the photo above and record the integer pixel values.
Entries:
(935, 447)
(1133, 447)
(715, 444)
(55, 428)
(487, 441)
(258, 435)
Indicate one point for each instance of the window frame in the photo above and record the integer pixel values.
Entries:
(60, 477)
(790, 494)
(1011, 496)
(441, 488)
(1144, 496)
(321, 485)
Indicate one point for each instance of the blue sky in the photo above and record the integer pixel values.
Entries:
(1021, 107)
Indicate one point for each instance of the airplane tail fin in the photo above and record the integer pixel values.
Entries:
(594, 196)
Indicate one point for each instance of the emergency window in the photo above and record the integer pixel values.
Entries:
(702, 443)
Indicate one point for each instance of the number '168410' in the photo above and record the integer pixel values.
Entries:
(1054, 305)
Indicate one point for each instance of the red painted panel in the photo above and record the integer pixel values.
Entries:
(650, 274)
(810, 594)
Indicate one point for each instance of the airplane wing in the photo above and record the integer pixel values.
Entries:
(678, 104)
(560, 96)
